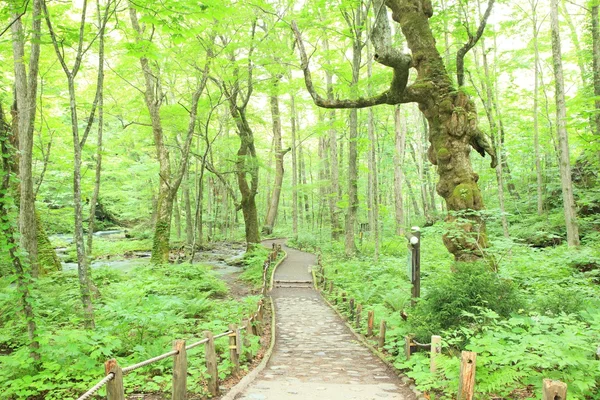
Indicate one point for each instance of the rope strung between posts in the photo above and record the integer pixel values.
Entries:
(420, 344)
(97, 386)
(127, 370)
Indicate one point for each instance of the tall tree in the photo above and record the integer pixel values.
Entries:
(400, 146)
(169, 180)
(596, 68)
(450, 113)
(79, 140)
(561, 128)
(33, 238)
(8, 236)
(279, 154)
(96, 193)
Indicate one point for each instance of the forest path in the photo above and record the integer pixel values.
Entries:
(316, 356)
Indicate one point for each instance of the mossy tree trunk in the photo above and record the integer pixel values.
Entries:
(451, 115)
(23, 125)
(247, 176)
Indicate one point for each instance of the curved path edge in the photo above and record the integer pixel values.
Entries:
(252, 375)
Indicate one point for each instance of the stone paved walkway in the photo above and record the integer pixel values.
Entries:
(315, 355)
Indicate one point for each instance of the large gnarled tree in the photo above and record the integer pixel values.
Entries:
(450, 113)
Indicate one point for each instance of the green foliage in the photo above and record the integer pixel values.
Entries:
(253, 266)
(138, 315)
(450, 300)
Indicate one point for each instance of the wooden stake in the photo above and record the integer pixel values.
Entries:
(407, 349)
(211, 364)
(114, 388)
(358, 312)
(382, 328)
(259, 320)
(179, 391)
(554, 390)
(436, 348)
(247, 351)
(370, 322)
(351, 308)
(233, 349)
(466, 385)
(330, 287)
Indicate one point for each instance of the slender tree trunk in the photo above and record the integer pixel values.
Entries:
(400, 145)
(279, 154)
(177, 216)
(304, 195)
(596, 67)
(563, 139)
(25, 95)
(97, 179)
(413, 197)
(189, 219)
(350, 245)
(372, 164)
(536, 131)
(496, 142)
(334, 193)
(294, 169)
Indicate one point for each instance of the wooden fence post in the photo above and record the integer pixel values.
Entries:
(179, 391)
(233, 349)
(358, 312)
(247, 351)
(554, 390)
(259, 320)
(466, 385)
(114, 388)
(407, 347)
(370, 322)
(351, 309)
(211, 364)
(436, 348)
(382, 328)
(330, 287)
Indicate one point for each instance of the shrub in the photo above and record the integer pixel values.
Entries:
(450, 298)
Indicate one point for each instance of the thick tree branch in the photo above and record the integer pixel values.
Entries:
(396, 94)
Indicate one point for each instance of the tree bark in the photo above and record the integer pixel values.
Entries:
(357, 45)
(563, 139)
(372, 164)
(334, 194)
(294, 169)
(279, 154)
(9, 235)
(489, 111)
(96, 193)
(25, 96)
(536, 131)
(400, 145)
(596, 68)
(189, 219)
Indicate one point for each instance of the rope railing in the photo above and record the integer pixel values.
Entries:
(97, 386)
(253, 325)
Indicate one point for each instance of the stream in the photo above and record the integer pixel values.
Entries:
(224, 257)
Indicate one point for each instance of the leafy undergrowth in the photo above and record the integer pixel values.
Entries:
(138, 315)
(529, 313)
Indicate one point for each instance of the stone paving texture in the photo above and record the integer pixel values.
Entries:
(316, 356)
